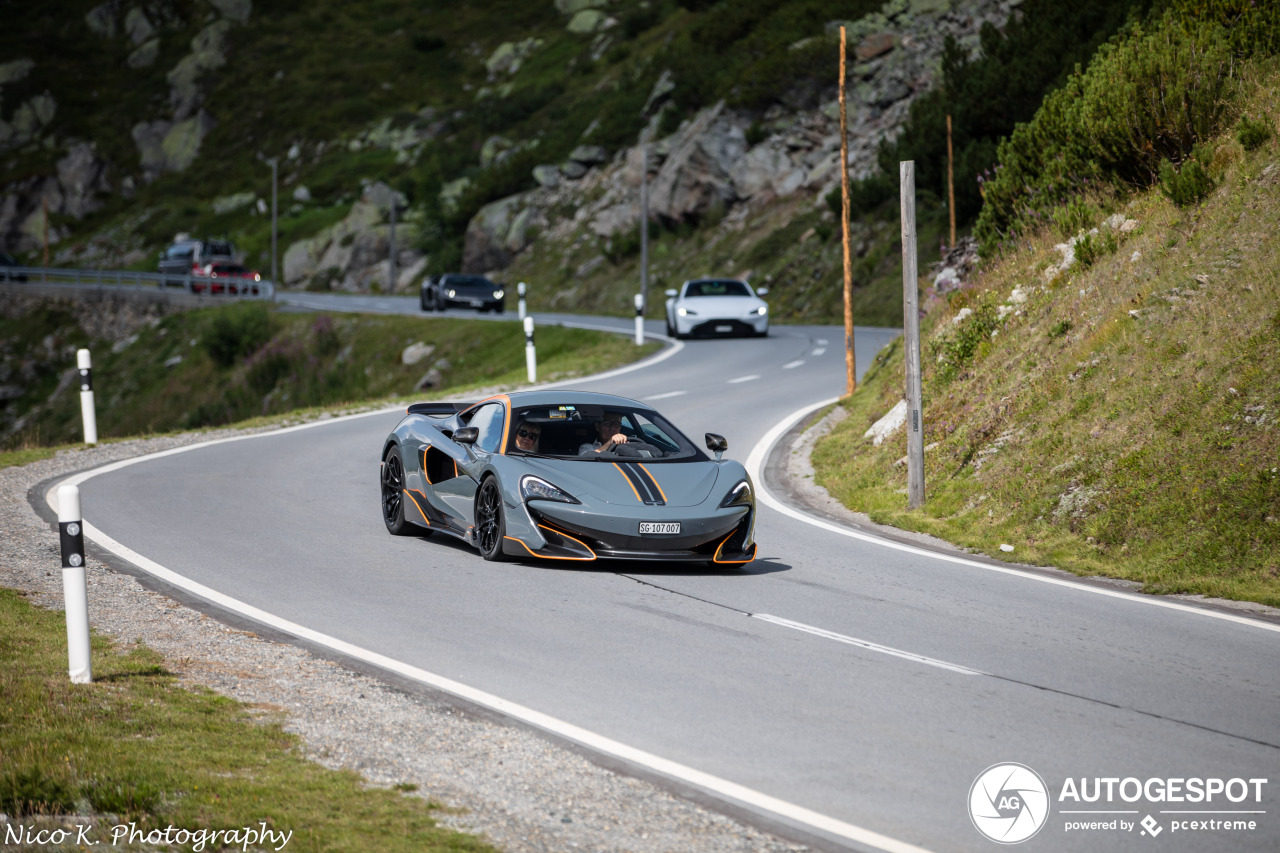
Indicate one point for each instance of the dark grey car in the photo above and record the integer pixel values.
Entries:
(456, 290)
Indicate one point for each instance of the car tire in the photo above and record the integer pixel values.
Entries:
(391, 475)
(671, 330)
(491, 527)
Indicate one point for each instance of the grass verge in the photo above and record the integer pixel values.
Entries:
(1116, 418)
(135, 747)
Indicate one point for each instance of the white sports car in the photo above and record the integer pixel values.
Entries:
(716, 306)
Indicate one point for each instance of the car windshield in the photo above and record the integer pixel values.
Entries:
(217, 247)
(573, 431)
(469, 281)
(229, 269)
(717, 288)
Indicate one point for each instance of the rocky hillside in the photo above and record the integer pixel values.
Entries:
(506, 135)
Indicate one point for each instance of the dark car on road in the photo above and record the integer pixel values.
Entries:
(8, 261)
(190, 257)
(456, 290)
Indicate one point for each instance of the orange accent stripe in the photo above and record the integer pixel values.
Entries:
(425, 476)
(716, 558)
(655, 481)
(418, 505)
(629, 483)
(550, 557)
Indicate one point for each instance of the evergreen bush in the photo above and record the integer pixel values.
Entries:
(1253, 133)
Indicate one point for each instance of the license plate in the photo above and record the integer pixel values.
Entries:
(659, 527)
(476, 303)
(724, 328)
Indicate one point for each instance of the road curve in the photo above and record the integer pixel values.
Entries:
(846, 688)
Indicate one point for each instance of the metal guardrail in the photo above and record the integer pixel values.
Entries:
(230, 287)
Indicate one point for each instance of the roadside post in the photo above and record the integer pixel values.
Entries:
(911, 328)
(87, 413)
(520, 290)
(530, 355)
(639, 300)
(75, 590)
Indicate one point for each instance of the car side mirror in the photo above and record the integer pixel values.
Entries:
(466, 435)
(762, 291)
(717, 444)
(669, 292)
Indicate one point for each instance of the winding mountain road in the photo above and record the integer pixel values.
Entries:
(842, 690)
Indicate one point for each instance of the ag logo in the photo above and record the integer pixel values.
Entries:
(1008, 803)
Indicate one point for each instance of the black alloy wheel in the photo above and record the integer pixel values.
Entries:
(393, 493)
(671, 330)
(490, 525)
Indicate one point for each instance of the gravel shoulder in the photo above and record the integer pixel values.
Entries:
(517, 788)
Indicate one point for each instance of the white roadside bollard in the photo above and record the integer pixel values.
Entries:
(75, 590)
(639, 319)
(530, 355)
(520, 290)
(87, 412)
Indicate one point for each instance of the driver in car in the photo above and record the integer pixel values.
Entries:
(609, 430)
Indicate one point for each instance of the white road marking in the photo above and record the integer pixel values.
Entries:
(744, 378)
(755, 467)
(546, 722)
(865, 644)
(819, 351)
(666, 395)
(822, 342)
(791, 364)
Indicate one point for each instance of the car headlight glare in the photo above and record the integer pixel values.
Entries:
(739, 495)
(685, 312)
(538, 489)
(452, 293)
(498, 294)
(763, 309)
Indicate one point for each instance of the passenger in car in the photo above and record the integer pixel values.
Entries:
(527, 435)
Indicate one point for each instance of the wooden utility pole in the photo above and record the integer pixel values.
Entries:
(850, 361)
(951, 186)
(911, 328)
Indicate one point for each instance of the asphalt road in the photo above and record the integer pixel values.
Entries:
(849, 688)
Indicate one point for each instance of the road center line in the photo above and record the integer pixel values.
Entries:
(747, 378)
(666, 395)
(791, 364)
(819, 351)
(865, 644)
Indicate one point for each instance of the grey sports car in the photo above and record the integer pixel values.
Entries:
(565, 475)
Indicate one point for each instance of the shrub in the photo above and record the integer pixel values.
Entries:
(1187, 185)
(1148, 96)
(1252, 133)
(1059, 329)
(954, 349)
(1073, 217)
(236, 331)
(1092, 247)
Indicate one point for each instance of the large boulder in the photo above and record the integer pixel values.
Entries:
(697, 172)
(82, 175)
(137, 26)
(490, 238)
(207, 54)
(766, 167)
(236, 10)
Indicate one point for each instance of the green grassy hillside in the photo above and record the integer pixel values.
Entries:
(1119, 417)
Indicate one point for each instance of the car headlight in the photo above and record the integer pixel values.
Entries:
(685, 312)
(763, 309)
(498, 294)
(452, 293)
(538, 489)
(739, 495)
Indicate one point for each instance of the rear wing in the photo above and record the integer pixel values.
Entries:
(437, 409)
